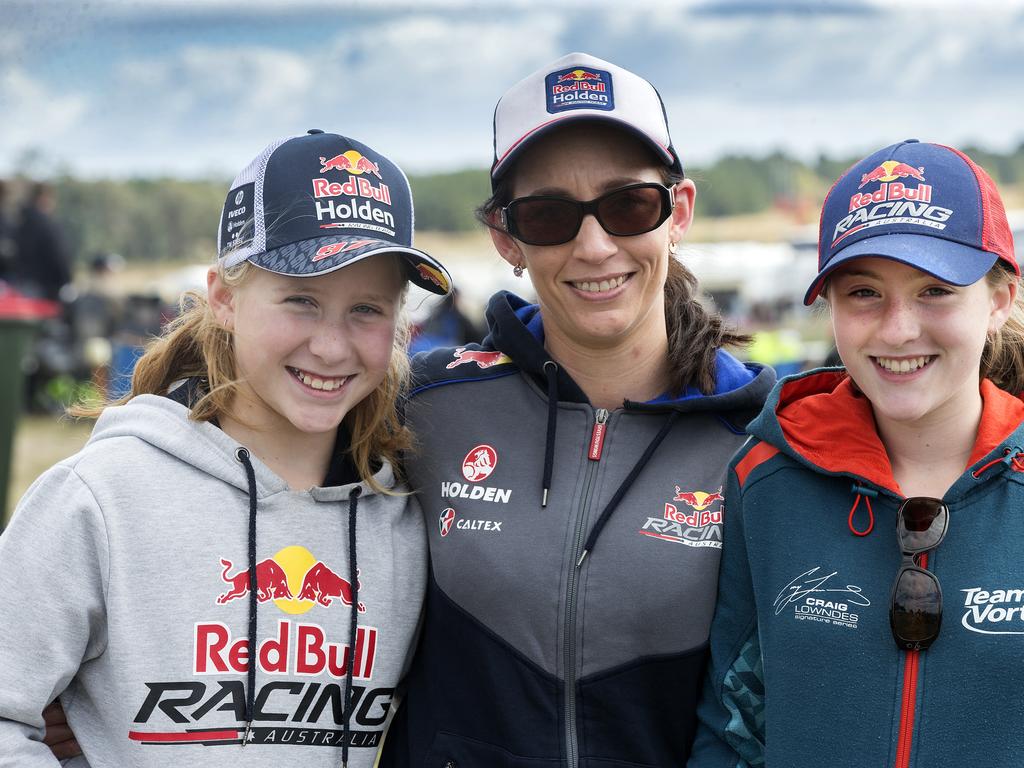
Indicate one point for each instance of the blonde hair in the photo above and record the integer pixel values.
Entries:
(195, 344)
(1002, 359)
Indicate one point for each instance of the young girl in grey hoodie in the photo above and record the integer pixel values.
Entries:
(231, 561)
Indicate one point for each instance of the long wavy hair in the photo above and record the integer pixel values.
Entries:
(195, 344)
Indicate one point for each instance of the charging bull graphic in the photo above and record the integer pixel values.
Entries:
(481, 357)
(271, 582)
(322, 584)
(698, 499)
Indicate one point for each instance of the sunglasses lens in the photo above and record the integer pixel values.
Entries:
(634, 210)
(916, 612)
(545, 221)
(922, 524)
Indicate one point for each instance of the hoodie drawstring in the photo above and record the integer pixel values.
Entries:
(250, 694)
(624, 487)
(353, 572)
(867, 494)
(1013, 457)
(242, 455)
(551, 370)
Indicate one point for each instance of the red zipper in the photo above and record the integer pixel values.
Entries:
(907, 706)
(597, 435)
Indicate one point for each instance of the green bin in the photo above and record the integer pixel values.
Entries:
(20, 318)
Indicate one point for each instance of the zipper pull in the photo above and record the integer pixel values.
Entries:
(597, 436)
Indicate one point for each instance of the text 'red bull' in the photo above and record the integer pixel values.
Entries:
(309, 653)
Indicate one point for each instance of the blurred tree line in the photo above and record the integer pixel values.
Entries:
(175, 219)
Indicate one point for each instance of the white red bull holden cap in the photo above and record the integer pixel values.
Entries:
(314, 203)
(925, 205)
(579, 87)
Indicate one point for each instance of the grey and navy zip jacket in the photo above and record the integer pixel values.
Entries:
(571, 633)
(804, 670)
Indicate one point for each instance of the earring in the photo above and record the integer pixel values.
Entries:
(518, 270)
(672, 247)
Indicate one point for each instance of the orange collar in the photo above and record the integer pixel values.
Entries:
(831, 424)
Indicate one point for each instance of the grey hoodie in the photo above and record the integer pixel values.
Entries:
(124, 590)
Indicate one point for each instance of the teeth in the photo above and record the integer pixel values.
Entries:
(903, 365)
(327, 385)
(592, 286)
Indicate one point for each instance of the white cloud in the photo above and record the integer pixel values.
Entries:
(36, 115)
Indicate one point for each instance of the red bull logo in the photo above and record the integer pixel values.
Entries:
(322, 584)
(293, 579)
(700, 528)
(479, 463)
(271, 582)
(698, 499)
(445, 521)
(433, 275)
(483, 358)
(891, 170)
(577, 75)
(333, 249)
(578, 89)
(351, 161)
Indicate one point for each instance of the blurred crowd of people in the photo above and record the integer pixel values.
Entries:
(93, 335)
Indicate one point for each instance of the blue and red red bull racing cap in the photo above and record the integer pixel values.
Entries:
(579, 87)
(925, 205)
(314, 203)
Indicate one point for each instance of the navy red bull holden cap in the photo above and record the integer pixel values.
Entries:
(925, 205)
(579, 87)
(311, 204)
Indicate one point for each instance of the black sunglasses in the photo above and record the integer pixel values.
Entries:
(915, 614)
(553, 220)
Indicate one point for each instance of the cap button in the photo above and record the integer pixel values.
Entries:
(911, 141)
(313, 131)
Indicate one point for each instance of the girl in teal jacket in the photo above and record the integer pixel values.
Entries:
(871, 596)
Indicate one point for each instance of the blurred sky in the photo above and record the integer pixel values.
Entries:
(123, 87)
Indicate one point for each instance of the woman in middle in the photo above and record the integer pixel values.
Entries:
(571, 467)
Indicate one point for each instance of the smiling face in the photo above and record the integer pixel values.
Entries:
(912, 342)
(598, 290)
(308, 349)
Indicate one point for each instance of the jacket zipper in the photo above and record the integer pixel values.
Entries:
(572, 588)
(909, 700)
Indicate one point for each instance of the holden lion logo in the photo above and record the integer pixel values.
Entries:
(446, 520)
(479, 463)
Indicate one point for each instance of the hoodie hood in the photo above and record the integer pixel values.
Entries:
(164, 423)
(517, 329)
(821, 420)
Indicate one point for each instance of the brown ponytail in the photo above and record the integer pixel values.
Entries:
(694, 334)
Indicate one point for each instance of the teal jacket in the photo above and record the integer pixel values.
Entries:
(804, 671)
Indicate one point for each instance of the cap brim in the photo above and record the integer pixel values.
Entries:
(666, 154)
(321, 255)
(949, 261)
